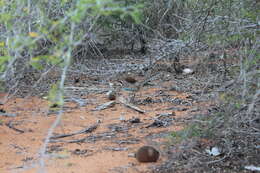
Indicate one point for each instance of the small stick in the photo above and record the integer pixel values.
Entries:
(105, 106)
(11, 126)
(86, 130)
(131, 106)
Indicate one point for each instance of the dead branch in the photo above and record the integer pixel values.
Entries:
(105, 106)
(131, 106)
(86, 130)
(11, 126)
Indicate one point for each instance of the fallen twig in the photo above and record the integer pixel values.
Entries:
(131, 106)
(105, 106)
(134, 108)
(86, 130)
(11, 126)
(94, 138)
(7, 114)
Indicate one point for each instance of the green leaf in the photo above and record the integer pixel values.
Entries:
(54, 60)
(4, 59)
(35, 63)
(5, 17)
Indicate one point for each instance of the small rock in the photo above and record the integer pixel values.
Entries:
(2, 111)
(148, 100)
(187, 71)
(213, 151)
(130, 79)
(111, 95)
(79, 152)
(147, 154)
(76, 80)
(134, 120)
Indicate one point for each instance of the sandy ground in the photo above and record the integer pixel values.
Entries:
(109, 148)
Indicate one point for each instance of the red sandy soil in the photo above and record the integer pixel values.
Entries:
(20, 151)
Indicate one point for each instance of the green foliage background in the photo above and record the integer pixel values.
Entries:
(59, 26)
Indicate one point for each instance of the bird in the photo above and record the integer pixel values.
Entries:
(147, 154)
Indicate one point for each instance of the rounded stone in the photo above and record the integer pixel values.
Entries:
(147, 154)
